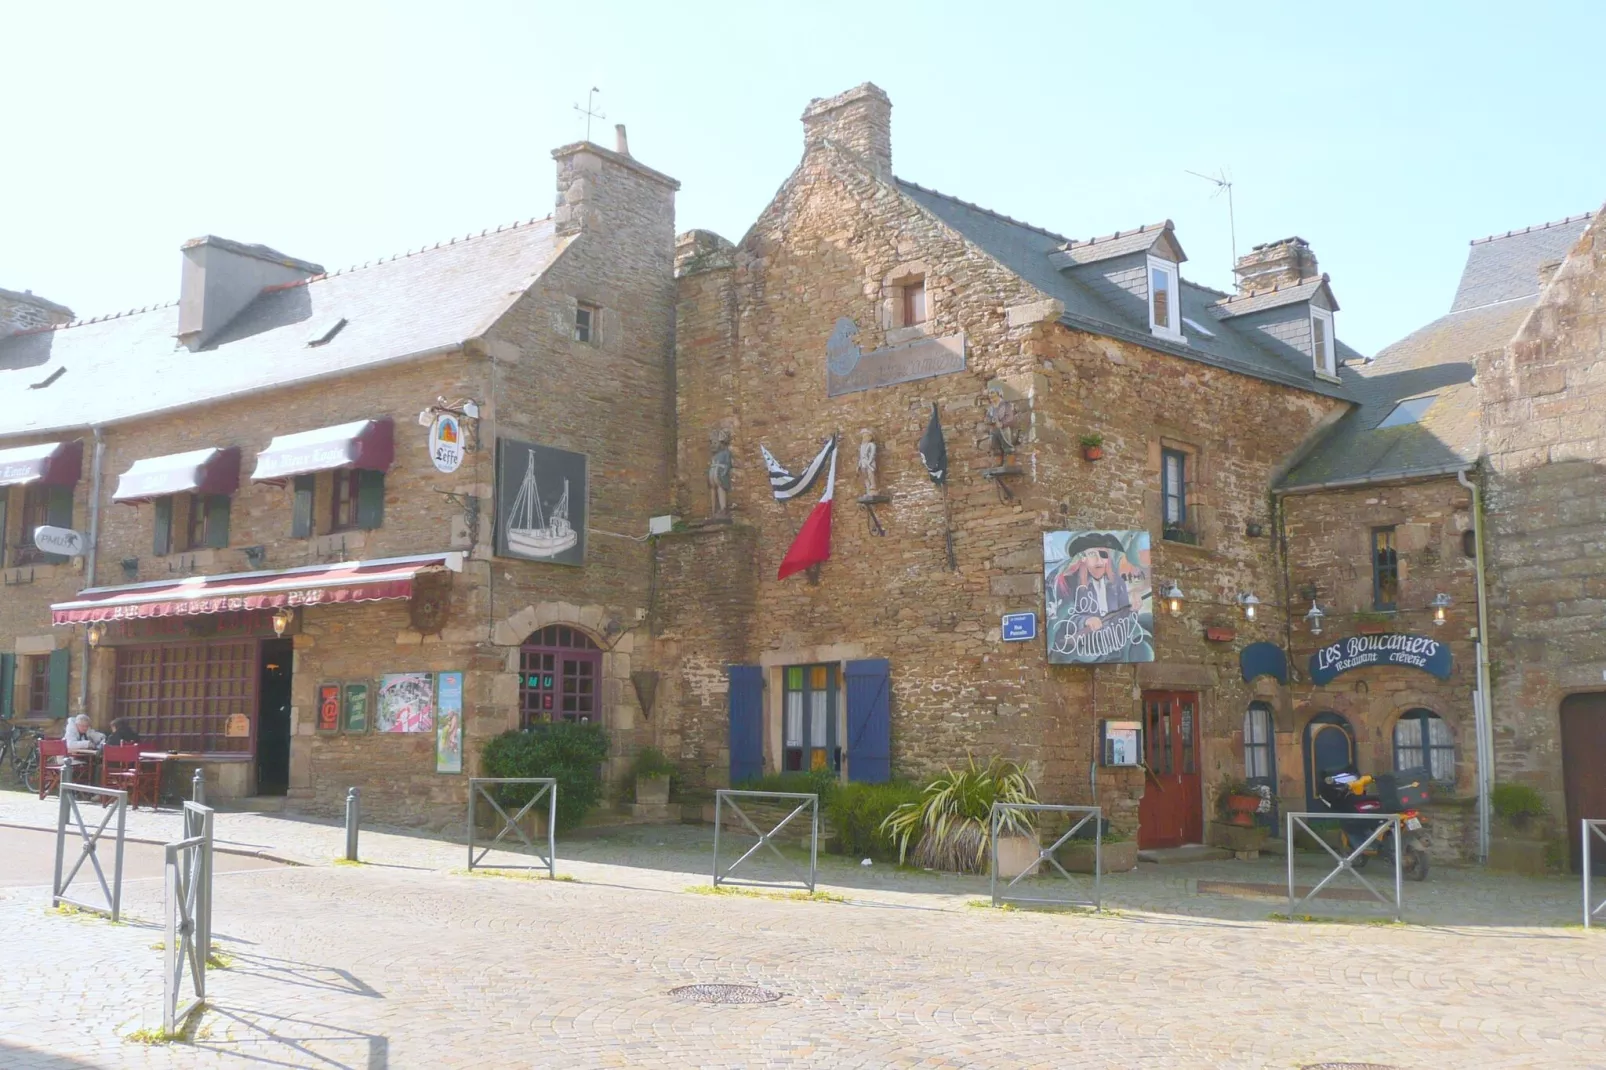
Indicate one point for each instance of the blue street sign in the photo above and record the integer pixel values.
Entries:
(1019, 627)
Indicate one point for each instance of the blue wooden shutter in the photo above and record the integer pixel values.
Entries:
(60, 666)
(869, 721)
(370, 498)
(747, 722)
(8, 683)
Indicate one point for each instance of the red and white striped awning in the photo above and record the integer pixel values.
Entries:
(313, 585)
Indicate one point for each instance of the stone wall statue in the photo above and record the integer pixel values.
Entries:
(719, 474)
(867, 452)
(1004, 420)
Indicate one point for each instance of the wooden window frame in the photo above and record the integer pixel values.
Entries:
(908, 294)
(544, 654)
(1425, 747)
(1385, 569)
(36, 700)
(794, 758)
(1326, 364)
(587, 332)
(1173, 277)
(343, 512)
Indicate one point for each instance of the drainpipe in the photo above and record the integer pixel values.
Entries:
(1483, 713)
(94, 547)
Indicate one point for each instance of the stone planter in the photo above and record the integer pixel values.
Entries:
(1236, 838)
(1119, 857)
(652, 790)
(1017, 855)
(1508, 854)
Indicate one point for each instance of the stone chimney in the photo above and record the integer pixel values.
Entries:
(221, 277)
(1275, 264)
(593, 182)
(24, 312)
(621, 144)
(859, 120)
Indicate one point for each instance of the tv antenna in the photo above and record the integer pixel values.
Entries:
(1223, 184)
(590, 111)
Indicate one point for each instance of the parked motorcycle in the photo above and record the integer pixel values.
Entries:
(1350, 793)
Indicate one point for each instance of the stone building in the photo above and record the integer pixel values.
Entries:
(332, 528)
(859, 304)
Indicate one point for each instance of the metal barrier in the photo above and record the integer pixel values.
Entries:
(1588, 830)
(549, 790)
(1046, 854)
(116, 803)
(188, 904)
(1386, 824)
(727, 797)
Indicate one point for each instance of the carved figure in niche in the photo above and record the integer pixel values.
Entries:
(867, 452)
(719, 473)
(1004, 418)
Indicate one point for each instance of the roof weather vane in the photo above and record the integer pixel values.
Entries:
(1223, 183)
(590, 111)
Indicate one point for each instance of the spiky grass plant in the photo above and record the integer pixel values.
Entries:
(950, 823)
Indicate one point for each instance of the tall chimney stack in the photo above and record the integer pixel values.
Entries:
(859, 120)
(621, 144)
(221, 277)
(1274, 265)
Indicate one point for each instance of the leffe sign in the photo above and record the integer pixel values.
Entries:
(63, 541)
(1359, 651)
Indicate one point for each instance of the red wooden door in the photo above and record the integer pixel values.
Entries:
(1171, 812)
(1583, 756)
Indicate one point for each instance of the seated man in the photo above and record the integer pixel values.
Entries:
(123, 732)
(80, 737)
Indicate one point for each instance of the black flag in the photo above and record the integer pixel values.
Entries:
(933, 450)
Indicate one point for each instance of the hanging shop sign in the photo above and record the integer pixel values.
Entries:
(446, 443)
(63, 541)
(1098, 597)
(1019, 627)
(1359, 651)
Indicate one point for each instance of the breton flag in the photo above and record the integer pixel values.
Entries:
(813, 542)
(933, 450)
(783, 484)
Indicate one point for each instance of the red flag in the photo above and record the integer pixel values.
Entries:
(813, 542)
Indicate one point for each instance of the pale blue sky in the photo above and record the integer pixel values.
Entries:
(1386, 134)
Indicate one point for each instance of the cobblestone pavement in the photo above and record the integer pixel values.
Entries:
(409, 962)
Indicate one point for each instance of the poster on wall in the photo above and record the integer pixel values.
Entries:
(541, 497)
(1098, 597)
(355, 717)
(406, 703)
(328, 707)
(449, 723)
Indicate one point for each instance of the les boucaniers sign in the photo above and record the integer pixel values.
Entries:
(1359, 651)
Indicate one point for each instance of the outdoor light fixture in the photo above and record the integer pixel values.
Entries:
(1250, 603)
(1173, 599)
(95, 633)
(1314, 619)
(281, 620)
(1440, 603)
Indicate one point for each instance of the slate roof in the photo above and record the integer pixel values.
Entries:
(1121, 243)
(429, 300)
(1278, 296)
(1437, 360)
(1028, 251)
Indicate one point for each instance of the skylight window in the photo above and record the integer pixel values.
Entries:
(1207, 332)
(1409, 411)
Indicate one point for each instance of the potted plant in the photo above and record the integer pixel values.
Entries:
(1092, 447)
(1238, 801)
(949, 826)
(1368, 622)
(652, 773)
(1522, 844)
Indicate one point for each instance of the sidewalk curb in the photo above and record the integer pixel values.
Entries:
(266, 856)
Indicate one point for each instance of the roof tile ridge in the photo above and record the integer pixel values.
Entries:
(1529, 230)
(84, 321)
(984, 211)
(1303, 280)
(410, 252)
(1080, 243)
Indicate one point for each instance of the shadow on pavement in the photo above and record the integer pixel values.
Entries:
(275, 1040)
(16, 1057)
(301, 974)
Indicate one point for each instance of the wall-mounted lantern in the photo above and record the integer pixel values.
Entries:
(1441, 605)
(1250, 604)
(1314, 619)
(96, 632)
(282, 619)
(1173, 600)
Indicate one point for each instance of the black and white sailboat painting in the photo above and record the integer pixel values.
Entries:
(537, 520)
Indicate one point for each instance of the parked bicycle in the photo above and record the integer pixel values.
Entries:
(19, 745)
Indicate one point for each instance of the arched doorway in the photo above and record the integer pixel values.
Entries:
(1583, 756)
(560, 677)
(1329, 748)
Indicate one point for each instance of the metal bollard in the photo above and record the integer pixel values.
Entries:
(198, 788)
(353, 816)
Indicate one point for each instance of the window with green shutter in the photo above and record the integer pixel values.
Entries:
(60, 668)
(301, 507)
(217, 521)
(370, 499)
(8, 683)
(162, 524)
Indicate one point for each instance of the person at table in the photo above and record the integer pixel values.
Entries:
(123, 732)
(80, 737)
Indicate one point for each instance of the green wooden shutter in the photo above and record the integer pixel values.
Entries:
(8, 683)
(301, 508)
(60, 665)
(5, 494)
(370, 499)
(162, 538)
(217, 521)
(58, 514)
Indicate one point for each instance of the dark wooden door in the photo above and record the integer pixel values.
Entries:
(1583, 757)
(1329, 748)
(1171, 812)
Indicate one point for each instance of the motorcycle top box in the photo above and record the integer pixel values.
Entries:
(1402, 791)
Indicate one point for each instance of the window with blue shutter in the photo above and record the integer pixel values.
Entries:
(746, 722)
(869, 720)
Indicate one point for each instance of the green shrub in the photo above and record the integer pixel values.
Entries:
(570, 753)
(859, 812)
(1517, 803)
(650, 762)
(950, 823)
(821, 782)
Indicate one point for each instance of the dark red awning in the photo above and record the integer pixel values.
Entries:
(314, 585)
(54, 464)
(365, 444)
(208, 471)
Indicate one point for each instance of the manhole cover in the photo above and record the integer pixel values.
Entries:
(724, 994)
(1348, 1066)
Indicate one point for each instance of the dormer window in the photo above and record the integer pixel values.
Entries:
(1165, 314)
(1321, 341)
